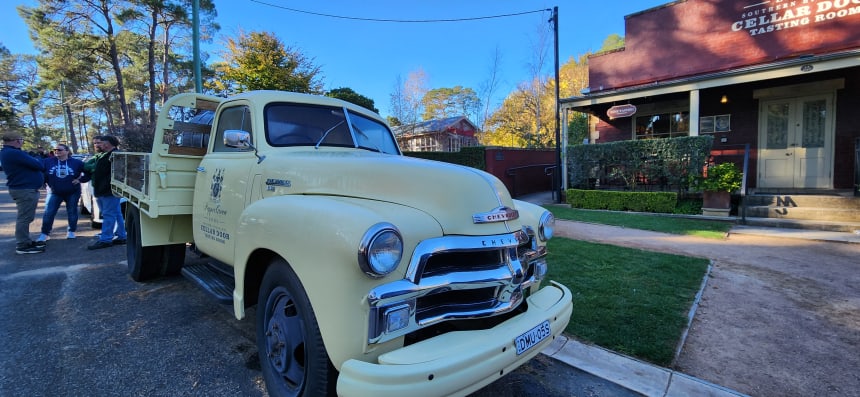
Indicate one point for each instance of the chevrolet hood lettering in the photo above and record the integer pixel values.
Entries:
(500, 214)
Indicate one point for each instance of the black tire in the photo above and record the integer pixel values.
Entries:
(146, 263)
(142, 261)
(174, 259)
(293, 357)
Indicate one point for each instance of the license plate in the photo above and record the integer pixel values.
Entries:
(532, 337)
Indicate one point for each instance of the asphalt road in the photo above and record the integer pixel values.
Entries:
(74, 324)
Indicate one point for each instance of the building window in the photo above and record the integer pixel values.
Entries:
(663, 125)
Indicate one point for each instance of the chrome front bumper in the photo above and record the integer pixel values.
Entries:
(458, 363)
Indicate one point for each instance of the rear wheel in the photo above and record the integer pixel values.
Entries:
(292, 354)
(145, 263)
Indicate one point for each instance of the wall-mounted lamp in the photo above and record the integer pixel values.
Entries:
(724, 99)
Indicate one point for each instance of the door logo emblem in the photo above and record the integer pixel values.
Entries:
(216, 187)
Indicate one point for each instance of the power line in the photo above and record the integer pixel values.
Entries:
(401, 20)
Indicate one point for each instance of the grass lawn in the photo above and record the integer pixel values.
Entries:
(657, 223)
(627, 300)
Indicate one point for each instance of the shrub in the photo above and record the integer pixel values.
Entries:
(724, 177)
(660, 202)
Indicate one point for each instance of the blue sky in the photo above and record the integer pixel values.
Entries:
(369, 56)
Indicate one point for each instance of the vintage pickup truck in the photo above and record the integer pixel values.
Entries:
(373, 274)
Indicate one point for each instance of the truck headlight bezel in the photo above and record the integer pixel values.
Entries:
(546, 227)
(380, 250)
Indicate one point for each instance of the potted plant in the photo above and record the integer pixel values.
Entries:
(717, 185)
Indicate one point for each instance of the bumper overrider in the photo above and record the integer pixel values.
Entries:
(461, 362)
(455, 278)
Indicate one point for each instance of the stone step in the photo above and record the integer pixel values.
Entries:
(830, 226)
(801, 201)
(808, 213)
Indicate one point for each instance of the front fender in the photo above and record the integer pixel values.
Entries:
(319, 237)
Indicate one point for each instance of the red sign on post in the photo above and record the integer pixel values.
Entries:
(619, 111)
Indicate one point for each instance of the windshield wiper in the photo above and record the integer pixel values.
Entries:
(325, 134)
(359, 131)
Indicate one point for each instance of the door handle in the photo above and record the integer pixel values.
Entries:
(788, 154)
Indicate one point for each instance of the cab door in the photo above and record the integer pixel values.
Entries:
(223, 185)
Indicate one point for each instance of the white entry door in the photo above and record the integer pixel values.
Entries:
(796, 143)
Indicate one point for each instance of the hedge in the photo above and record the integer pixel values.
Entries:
(472, 156)
(660, 202)
(667, 162)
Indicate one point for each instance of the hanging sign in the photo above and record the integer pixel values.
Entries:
(619, 111)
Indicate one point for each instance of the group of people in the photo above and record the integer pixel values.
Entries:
(63, 174)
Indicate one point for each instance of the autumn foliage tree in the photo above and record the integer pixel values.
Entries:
(442, 103)
(260, 61)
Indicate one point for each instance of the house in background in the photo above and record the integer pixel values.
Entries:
(442, 135)
(781, 76)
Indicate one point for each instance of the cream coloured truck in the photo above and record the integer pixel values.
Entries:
(373, 274)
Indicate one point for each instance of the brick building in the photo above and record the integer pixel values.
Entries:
(441, 135)
(782, 76)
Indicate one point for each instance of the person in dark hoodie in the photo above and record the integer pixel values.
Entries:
(113, 224)
(24, 178)
(64, 174)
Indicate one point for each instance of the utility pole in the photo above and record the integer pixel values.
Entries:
(195, 17)
(557, 174)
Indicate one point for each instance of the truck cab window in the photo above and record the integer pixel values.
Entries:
(235, 118)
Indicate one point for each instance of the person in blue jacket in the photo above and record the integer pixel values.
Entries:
(64, 174)
(24, 178)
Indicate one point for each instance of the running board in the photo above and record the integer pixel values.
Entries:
(214, 278)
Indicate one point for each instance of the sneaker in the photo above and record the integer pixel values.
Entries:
(70, 235)
(42, 238)
(30, 249)
(98, 245)
(119, 241)
(39, 244)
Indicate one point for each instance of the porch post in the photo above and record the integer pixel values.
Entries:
(694, 113)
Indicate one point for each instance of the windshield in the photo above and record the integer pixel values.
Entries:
(289, 124)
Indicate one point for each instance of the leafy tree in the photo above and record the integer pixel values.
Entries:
(612, 42)
(347, 94)
(160, 22)
(526, 117)
(260, 61)
(8, 82)
(577, 128)
(90, 23)
(393, 121)
(440, 103)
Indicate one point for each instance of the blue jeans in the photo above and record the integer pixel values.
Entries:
(112, 220)
(52, 205)
(26, 201)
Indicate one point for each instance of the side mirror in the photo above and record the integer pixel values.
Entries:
(237, 139)
(242, 140)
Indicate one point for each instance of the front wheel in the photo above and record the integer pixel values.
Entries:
(293, 357)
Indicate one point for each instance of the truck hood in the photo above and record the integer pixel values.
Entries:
(451, 194)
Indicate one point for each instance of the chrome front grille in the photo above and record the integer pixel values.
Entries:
(457, 278)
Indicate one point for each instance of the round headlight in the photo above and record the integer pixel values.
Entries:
(547, 226)
(381, 250)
